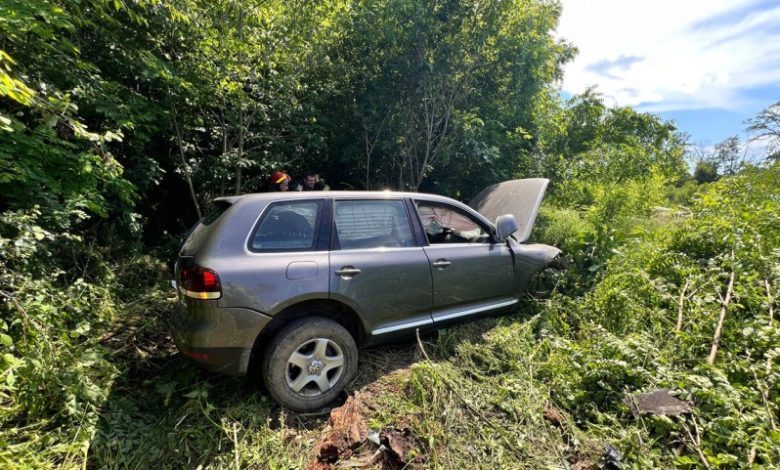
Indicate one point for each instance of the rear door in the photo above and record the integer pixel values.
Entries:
(471, 273)
(377, 265)
(284, 257)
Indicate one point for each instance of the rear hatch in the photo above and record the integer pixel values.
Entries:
(199, 234)
(521, 198)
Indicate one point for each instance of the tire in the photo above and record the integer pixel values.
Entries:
(308, 363)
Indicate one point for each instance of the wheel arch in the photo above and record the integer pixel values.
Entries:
(331, 309)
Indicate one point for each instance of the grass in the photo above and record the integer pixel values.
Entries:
(465, 409)
(545, 387)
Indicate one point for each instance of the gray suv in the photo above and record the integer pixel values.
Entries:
(302, 279)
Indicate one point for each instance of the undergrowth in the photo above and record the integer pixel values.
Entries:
(89, 376)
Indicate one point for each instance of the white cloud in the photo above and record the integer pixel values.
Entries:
(673, 54)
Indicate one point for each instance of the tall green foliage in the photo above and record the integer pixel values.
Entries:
(50, 155)
(584, 140)
(443, 88)
(119, 120)
(673, 298)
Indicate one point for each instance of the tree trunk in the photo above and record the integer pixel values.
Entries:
(240, 152)
(368, 164)
(186, 167)
(224, 153)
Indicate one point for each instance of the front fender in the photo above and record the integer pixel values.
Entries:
(532, 258)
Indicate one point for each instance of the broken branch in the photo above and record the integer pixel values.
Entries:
(680, 305)
(697, 444)
(771, 302)
(719, 328)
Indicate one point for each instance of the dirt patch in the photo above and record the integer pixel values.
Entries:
(585, 464)
(392, 383)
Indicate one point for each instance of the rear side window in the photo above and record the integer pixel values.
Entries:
(372, 224)
(288, 226)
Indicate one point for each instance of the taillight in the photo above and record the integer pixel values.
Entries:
(200, 283)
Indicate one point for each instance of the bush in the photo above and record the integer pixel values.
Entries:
(59, 296)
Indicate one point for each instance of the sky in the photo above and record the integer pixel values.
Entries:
(706, 64)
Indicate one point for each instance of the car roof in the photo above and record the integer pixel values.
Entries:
(272, 196)
(291, 195)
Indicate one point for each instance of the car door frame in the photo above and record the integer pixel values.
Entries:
(374, 328)
(506, 296)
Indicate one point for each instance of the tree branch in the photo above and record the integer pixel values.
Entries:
(723, 309)
(680, 305)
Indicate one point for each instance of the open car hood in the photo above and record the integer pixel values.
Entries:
(521, 198)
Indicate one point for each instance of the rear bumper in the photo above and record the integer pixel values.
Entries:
(231, 361)
(221, 339)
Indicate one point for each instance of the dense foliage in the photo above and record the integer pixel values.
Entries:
(120, 120)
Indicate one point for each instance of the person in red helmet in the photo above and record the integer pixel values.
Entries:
(280, 181)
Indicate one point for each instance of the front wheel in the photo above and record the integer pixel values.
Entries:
(309, 362)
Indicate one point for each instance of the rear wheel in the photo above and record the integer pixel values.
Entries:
(309, 362)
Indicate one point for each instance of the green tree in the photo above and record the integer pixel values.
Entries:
(706, 171)
(245, 104)
(439, 88)
(766, 126)
(584, 138)
(728, 156)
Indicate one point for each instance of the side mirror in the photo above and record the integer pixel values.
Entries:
(506, 225)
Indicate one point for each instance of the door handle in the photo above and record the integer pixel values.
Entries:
(348, 272)
(441, 263)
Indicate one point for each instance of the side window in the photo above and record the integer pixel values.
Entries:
(372, 224)
(447, 225)
(287, 226)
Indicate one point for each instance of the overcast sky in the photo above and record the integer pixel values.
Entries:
(708, 65)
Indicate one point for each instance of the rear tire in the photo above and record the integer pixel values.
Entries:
(309, 362)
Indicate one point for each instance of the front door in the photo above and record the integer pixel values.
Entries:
(471, 274)
(377, 266)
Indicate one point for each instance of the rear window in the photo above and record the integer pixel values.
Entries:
(200, 231)
(219, 208)
(287, 226)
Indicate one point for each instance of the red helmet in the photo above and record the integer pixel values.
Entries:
(279, 177)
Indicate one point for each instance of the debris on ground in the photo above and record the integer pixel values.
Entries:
(349, 444)
(658, 403)
(584, 464)
(401, 445)
(348, 431)
(612, 457)
(553, 416)
(373, 436)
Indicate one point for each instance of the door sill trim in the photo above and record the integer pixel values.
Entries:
(401, 326)
(472, 311)
(449, 316)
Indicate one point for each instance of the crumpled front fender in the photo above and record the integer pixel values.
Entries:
(532, 258)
